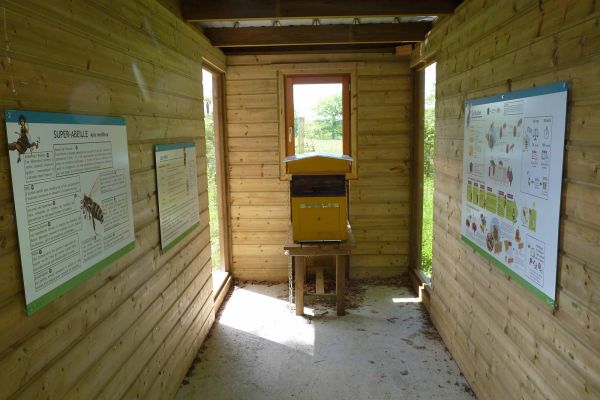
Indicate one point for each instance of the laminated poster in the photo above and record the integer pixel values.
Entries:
(177, 183)
(70, 178)
(512, 176)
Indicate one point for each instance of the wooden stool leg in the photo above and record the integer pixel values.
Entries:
(300, 273)
(319, 281)
(340, 284)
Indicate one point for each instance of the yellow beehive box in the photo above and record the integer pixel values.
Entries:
(319, 196)
(319, 219)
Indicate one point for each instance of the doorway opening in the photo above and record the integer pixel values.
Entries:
(428, 169)
(213, 128)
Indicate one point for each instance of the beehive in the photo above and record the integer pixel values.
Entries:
(319, 196)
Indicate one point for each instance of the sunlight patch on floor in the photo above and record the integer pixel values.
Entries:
(411, 299)
(249, 312)
(406, 300)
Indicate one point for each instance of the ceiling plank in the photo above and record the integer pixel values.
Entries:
(317, 34)
(236, 10)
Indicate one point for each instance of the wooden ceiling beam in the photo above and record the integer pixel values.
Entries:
(329, 48)
(237, 10)
(318, 34)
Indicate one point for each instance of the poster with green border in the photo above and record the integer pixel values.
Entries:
(72, 194)
(513, 157)
(177, 185)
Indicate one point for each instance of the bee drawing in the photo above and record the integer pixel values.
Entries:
(91, 209)
(23, 143)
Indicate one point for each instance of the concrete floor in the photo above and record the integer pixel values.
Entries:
(384, 349)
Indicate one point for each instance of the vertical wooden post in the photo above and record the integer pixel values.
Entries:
(300, 262)
(340, 283)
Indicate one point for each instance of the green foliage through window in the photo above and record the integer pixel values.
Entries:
(211, 172)
(318, 120)
(429, 135)
(428, 178)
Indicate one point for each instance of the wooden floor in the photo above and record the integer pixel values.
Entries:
(384, 349)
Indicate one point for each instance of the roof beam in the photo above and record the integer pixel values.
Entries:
(236, 10)
(328, 48)
(317, 34)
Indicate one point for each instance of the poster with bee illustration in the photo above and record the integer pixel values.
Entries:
(177, 184)
(72, 196)
(512, 180)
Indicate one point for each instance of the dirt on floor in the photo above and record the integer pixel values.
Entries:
(355, 288)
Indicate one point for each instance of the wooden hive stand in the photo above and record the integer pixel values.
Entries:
(299, 251)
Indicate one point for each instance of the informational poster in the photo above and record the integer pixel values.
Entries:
(70, 178)
(512, 177)
(177, 183)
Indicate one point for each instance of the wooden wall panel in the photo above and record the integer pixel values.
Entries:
(379, 198)
(125, 330)
(508, 344)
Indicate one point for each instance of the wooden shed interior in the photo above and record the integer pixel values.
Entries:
(132, 329)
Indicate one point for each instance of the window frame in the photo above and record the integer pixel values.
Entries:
(311, 70)
(329, 78)
(220, 145)
(221, 178)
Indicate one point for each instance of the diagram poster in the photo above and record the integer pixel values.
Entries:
(177, 182)
(512, 177)
(70, 178)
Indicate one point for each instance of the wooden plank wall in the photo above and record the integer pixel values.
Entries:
(508, 344)
(379, 198)
(133, 329)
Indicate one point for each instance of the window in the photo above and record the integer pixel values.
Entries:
(423, 172)
(217, 205)
(317, 114)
